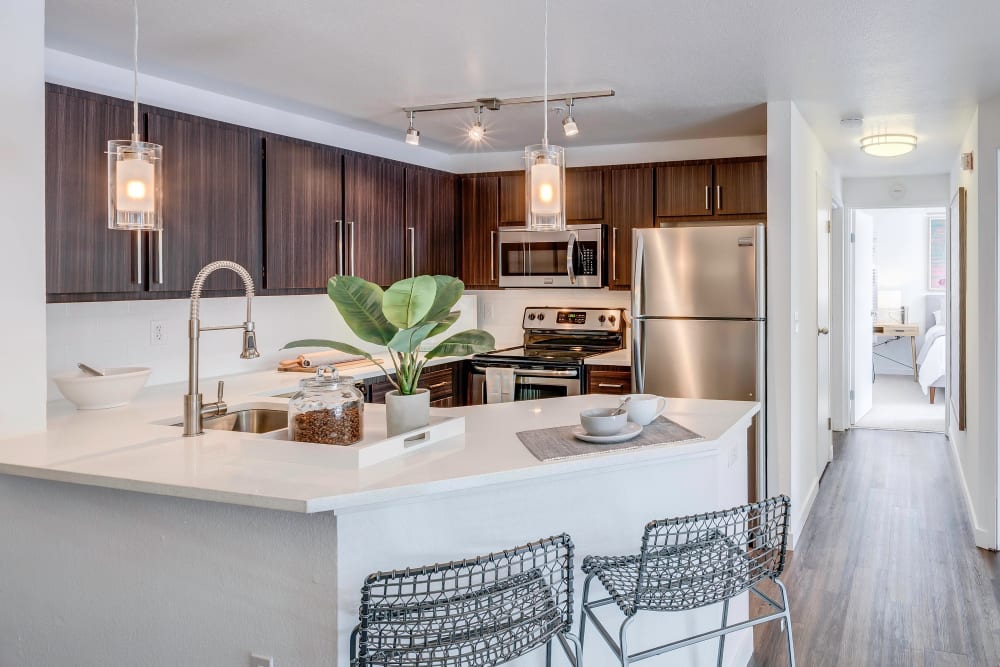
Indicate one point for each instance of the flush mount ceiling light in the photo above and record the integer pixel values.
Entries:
(545, 165)
(570, 128)
(135, 177)
(884, 144)
(477, 131)
(412, 134)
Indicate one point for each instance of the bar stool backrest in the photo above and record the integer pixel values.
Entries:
(477, 612)
(694, 561)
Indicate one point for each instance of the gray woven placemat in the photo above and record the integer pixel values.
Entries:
(551, 444)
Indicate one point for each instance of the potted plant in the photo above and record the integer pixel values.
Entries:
(401, 318)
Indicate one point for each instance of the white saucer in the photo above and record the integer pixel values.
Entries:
(630, 431)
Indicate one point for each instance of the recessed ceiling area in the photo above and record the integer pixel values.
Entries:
(680, 70)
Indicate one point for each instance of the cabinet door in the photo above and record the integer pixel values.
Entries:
(631, 208)
(512, 202)
(430, 222)
(373, 219)
(684, 190)
(741, 188)
(480, 214)
(303, 213)
(82, 254)
(584, 194)
(211, 200)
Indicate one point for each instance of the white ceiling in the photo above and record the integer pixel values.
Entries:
(681, 69)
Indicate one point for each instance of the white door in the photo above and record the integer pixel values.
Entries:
(824, 431)
(862, 250)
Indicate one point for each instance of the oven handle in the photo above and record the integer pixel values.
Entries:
(569, 258)
(536, 373)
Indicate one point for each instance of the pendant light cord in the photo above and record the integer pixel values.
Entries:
(135, 74)
(545, 85)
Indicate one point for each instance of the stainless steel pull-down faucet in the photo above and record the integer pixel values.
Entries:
(194, 409)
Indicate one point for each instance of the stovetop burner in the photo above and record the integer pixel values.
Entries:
(564, 336)
(540, 354)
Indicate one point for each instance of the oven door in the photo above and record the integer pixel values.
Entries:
(529, 383)
(570, 258)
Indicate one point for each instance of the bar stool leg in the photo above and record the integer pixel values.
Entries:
(548, 653)
(583, 609)
(722, 638)
(788, 623)
(621, 641)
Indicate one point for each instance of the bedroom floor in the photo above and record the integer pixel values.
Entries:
(899, 404)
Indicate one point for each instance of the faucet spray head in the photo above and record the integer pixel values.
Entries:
(250, 350)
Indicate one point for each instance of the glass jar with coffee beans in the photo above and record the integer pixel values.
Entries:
(328, 409)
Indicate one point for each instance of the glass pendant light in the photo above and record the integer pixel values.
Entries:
(135, 173)
(545, 169)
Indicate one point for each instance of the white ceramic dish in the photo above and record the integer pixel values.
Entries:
(630, 431)
(603, 421)
(117, 387)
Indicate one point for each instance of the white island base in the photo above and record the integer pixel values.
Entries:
(198, 569)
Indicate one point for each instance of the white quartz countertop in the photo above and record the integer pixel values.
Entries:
(133, 448)
(616, 358)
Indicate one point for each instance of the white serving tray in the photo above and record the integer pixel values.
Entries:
(376, 446)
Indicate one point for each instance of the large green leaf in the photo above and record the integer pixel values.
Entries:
(461, 344)
(319, 342)
(449, 291)
(409, 340)
(407, 302)
(360, 304)
(445, 323)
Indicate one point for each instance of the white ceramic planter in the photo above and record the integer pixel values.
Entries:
(407, 412)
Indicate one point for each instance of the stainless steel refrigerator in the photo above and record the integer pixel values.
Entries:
(698, 319)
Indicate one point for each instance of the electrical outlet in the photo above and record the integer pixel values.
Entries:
(261, 661)
(157, 333)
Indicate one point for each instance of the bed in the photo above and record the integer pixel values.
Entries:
(932, 359)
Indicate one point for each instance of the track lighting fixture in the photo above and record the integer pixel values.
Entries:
(412, 134)
(477, 131)
(570, 128)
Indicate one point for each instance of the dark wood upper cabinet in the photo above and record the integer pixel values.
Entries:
(480, 224)
(303, 213)
(431, 231)
(741, 187)
(584, 194)
(684, 190)
(82, 255)
(631, 208)
(211, 200)
(512, 201)
(374, 219)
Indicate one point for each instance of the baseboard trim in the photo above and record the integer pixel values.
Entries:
(982, 536)
(799, 524)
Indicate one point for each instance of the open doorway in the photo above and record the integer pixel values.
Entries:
(899, 270)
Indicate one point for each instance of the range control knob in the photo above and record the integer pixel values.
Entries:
(531, 316)
(611, 319)
(541, 316)
(601, 319)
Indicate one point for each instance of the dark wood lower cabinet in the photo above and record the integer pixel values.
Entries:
(609, 380)
(444, 383)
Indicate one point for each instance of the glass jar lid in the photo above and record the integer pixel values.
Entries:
(326, 377)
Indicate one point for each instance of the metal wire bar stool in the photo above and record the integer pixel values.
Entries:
(477, 612)
(691, 562)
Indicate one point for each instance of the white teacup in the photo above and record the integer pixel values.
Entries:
(602, 421)
(644, 408)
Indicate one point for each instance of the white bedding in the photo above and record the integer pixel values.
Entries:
(932, 334)
(932, 361)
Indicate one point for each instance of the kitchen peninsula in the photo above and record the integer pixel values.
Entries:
(144, 547)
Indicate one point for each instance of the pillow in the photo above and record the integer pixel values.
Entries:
(938, 317)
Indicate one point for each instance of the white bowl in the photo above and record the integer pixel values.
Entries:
(95, 392)
(603, 421)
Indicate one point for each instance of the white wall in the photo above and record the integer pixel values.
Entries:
(976, 448)
(918, 191)
(901, 253)
(22, 216)
(796, 163)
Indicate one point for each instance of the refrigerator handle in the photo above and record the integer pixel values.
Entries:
(637, 286)
(638, 381)
(761, 275)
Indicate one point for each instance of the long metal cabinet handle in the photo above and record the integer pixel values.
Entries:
(718, 197)
(569, 258)
(159, 257)
(413, 251)
(614, 253)
(708, 198)
(493, 242)
(137, 267)
(605, 385)
(350, 225)
(535, 372)
(340, 247)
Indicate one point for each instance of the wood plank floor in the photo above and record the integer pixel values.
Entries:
(886, 571)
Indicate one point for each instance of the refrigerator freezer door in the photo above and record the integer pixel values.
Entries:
(717, 359)
(699, 272)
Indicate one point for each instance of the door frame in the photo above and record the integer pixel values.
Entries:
(824, 203)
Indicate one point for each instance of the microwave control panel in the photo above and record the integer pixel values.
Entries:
(588, 258)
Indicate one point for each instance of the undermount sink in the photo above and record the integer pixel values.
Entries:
(251, 420)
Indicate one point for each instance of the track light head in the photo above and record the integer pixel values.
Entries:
(570, 128)
(412, 134)
(477, 131)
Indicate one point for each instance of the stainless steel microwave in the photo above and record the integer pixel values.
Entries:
(570, 258)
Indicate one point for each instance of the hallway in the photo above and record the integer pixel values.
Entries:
(886, 572)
